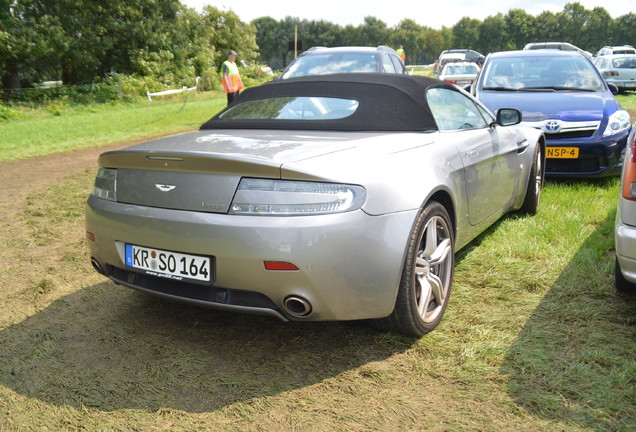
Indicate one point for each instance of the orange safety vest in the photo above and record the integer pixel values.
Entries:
(401, 53)
(232, 81)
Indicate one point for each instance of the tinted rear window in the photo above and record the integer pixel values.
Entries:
(625, 62)
(292, 108)
(332, 63)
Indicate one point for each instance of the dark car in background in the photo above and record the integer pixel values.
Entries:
(351, 59)
(458, 54)
(563, 94)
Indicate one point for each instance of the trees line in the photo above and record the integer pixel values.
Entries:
(85, 41)
(587, 29)
(164, 42)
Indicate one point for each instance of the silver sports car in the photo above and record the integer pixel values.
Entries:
(339, 197)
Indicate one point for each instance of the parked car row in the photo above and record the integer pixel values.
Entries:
(586, 129)
(343, 190)
(588, 133)
(458, 55)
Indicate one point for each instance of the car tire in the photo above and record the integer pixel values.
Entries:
(427, 275)
(535, 184)
(622, 284)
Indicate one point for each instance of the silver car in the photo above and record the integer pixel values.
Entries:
(461, 74)
(611, 50)
(618, 69)
(625, 232)
(335, 197)
(346, 59)
(560, 46)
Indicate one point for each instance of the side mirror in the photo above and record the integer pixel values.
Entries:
(613, 88)
(508, 117)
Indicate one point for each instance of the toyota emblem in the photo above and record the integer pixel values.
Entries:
(552, 126)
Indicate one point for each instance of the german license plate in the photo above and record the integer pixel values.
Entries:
(563, 152)
(630, 84)
(170, 265)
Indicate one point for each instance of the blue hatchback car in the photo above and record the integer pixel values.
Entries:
(563, 94)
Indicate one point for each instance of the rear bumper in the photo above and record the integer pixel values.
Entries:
(626, 250)
(629, 84)
(349, 264)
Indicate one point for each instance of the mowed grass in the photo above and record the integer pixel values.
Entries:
(535, 338)
(65, 128)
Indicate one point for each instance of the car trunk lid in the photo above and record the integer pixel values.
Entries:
(200, 171)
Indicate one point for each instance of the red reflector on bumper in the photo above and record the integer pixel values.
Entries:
(90, 236)
(279, 266)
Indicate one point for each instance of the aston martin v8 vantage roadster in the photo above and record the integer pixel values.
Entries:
(336, 197)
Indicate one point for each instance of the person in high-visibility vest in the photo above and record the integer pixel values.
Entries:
(232, 82)
(401, 53)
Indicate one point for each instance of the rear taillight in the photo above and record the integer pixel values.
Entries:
(629, 173)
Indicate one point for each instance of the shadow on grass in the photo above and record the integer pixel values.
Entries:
(574, 359)
(110, 348)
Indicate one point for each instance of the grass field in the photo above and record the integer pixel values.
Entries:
(535, 338)
(52, 130)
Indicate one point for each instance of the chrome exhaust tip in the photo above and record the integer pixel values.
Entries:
(297, 306)
(98, 268)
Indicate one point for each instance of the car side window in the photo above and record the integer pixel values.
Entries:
(453, 110)
(387, 64)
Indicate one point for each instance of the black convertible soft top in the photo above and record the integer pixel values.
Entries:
(387, 102)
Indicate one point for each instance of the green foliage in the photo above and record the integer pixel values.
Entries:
(521, 28)
(466, 31)
(8, 113)
(373, 32)
(161, 44)
(83, 42)
(624, 30)
(493, 33)
(130, 87)
(588, 29)
(253, 75)
(117, 88)
(271, 42)
(412, 36)
(225, 31)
